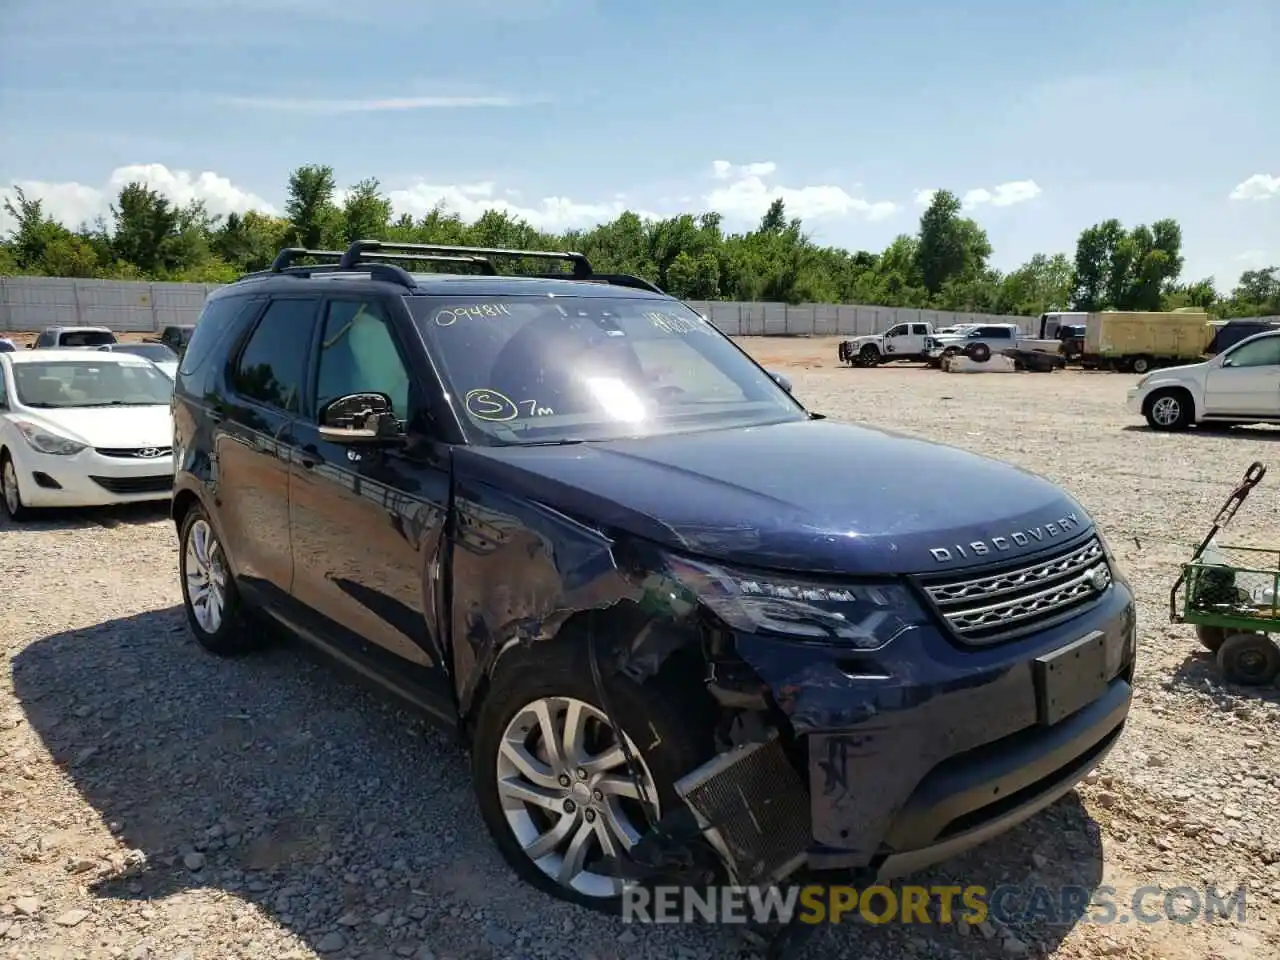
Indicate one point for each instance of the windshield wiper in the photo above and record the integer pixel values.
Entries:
(566, 442)
(120, 403)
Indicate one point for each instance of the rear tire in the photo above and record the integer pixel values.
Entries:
(1249, 659)
(1168, 410)
(215, 612)
(536, 689)
(1140, 364)
(1211, 638)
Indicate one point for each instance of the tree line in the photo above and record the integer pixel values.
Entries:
(944, 265)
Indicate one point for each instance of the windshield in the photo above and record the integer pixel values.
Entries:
(538, 369)
(158, 352)
(86, 338)
(57, 384)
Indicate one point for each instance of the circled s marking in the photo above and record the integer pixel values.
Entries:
(485, 404)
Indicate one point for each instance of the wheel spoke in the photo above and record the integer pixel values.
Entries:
(550, 739)
(547, 842)
(515, 788)
(617, 786)
(576, 855)
(533, 769)
(608, 760)
(575, 729)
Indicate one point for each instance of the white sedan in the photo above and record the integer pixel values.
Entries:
(161, 354)
(83, 428)
(1240, 385)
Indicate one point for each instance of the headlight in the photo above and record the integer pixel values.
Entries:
(46, 441)
(863, 616)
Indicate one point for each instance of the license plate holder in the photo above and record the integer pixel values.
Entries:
(1070, 677)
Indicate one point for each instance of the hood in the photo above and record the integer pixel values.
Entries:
(150, 426)
(814, 496)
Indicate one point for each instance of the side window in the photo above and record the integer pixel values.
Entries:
(1260, 353)
(897, 331)
(358, 355)
(272, 365)
(4, 391)
(919, 329)
(45, 339)
(214, 320)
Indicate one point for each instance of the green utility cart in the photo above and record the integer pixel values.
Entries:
(1232, 596)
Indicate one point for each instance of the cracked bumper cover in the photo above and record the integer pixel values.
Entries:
(920, 754)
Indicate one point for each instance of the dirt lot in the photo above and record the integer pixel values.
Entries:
(156, 803)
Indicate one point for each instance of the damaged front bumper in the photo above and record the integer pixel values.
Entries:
(903, 758)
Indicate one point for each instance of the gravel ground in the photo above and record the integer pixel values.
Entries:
(158, 803)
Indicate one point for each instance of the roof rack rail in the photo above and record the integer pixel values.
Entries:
(286, 257)
(618, 280)
(486, 266)
(360, 248)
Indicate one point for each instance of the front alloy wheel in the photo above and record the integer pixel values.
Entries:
(9, 487)
(567, 796)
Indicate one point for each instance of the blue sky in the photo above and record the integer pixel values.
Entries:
(1048, 118)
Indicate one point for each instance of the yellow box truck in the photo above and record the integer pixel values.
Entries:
(1136, 342)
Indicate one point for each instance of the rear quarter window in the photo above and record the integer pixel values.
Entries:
(216, 318)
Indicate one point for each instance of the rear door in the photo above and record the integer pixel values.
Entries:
(253, 442)
(1247, 382)
(916, 339)
(367, 526)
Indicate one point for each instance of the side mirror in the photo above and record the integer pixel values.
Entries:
(360, 418)
(781, 380)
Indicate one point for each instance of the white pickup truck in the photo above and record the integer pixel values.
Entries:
(903, 341)
(980, 341)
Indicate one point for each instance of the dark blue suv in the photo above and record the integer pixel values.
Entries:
(687, 628)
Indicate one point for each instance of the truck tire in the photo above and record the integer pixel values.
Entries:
(869, 355)
(1140, 364)
(979, 353)
(517, 781)
(1168, 409)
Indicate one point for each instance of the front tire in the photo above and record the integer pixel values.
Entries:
(10, 492)
(551, 779)
(215, 611)
(869, 356)
(1168, 410)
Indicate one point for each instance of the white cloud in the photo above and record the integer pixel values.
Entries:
(75, 203)
(1260, 186)
(746, 195)
(925, 197)
(470, 200)
(724, 170)
(1002, 195)
(372, 105)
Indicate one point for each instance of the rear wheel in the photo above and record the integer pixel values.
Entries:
(1140, 364)
(9, 490)
(1168, 410)
(1249, 659)
(979, 353)
(1210, 637)
(215, 611)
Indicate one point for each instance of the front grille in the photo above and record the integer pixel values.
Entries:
(152, 484)
(136, 453)
(988, 608)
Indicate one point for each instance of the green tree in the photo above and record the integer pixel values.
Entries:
(313, 218)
